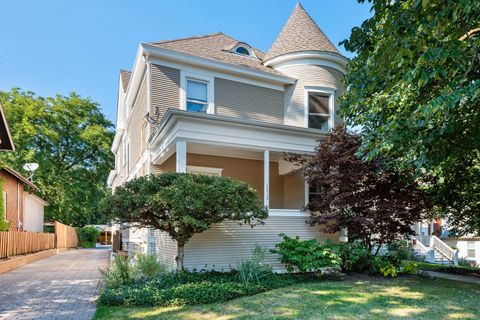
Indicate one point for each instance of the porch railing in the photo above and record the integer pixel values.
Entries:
(444, 249)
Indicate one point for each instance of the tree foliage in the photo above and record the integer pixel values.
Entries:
(70, 139)
(184, 204)
(374, 203)
(414, 87)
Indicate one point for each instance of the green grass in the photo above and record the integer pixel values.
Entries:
(461, 270)
(356, 298)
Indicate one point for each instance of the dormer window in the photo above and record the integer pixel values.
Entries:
(243, 51)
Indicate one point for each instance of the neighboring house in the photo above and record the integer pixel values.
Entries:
(6, 142)
(218, 106)
(22, 208)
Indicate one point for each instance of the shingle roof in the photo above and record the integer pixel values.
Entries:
(300, 33)
(218, 47)
(125, 77)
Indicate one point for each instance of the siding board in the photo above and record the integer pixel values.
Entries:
(164, 91)
(237, 99)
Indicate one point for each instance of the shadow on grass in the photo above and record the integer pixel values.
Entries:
(365, 298)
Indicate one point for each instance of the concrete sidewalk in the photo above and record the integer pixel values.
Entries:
(448, 276)
(63, 286)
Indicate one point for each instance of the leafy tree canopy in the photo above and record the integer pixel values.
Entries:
(414, 87)
(375, 204)
(70, 139)
(184, 204)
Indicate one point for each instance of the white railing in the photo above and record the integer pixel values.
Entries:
(420, 248)
(444, 249)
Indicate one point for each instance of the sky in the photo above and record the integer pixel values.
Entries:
(55, 47)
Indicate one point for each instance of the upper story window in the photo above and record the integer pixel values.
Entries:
(197, 96)
(319, 109)
(242, 50)
(196, 92)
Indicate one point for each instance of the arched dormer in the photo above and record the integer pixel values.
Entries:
(243, 49)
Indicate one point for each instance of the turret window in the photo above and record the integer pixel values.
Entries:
(319, 109)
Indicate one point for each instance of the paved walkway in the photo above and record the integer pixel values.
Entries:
(454, 277)
(63, 286)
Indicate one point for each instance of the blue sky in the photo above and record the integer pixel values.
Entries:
(52, 47)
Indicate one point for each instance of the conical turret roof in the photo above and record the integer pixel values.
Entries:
(300, 33)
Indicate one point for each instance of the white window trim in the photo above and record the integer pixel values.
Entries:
(331, 103)
(209, 170)
(184, 76)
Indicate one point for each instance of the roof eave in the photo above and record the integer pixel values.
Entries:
(185, 58)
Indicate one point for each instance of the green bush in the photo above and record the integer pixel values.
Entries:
(187, 288)
(119, 274)
(148, 265)
(409, 268)
(355, 257)
(88, 236)
(307, 255)
(253, 269)
(403, 249)
(4, 225)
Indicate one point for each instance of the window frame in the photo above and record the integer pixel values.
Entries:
(184, 77)
(331, 105)
(471, 253)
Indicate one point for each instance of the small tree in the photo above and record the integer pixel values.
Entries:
(184, 204)
(373, 202)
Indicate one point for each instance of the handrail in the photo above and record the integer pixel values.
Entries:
(443, 248)
(419, 246)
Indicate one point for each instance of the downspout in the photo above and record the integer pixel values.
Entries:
(19, 223)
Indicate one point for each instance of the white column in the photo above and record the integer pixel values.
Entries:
(181, 153)
(266, 178)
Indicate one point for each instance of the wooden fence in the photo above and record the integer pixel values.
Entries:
(20, 242)
(66, 236)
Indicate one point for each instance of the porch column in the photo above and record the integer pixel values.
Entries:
(266, 178)
(181, 153)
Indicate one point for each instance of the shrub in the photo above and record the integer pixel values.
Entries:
(148, 265)
(355, 257)
(409, 268)
(88, 236)
(388, 269)
(253, 269)
(402, 249)
(306, 255)
(119, 274)
(4, 225)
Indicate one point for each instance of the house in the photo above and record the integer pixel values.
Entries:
(6, 142)
(21, 208)
(216, 105)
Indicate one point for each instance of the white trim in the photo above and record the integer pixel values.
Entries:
(201, 128)
(266, 178)
(208, 170)
(331, 103)
(246, 46)
(190, 59)
(184, 76)
(320, 58)
(216, 74)
(287, 213)
(181, 156)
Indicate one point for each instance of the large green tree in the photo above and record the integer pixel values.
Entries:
(183, 205)
(414, 88)
(70, 139)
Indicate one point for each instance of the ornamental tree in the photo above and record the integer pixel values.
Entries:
(414, 88)
(184, 204)
(375, 204)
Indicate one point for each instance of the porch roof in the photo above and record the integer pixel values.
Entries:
(202, 128)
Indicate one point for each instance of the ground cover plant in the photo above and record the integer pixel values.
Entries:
(460, 270)
(357, 297)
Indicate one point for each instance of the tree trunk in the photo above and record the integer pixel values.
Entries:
(179, 258)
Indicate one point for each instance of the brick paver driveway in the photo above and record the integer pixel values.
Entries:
(63, 286)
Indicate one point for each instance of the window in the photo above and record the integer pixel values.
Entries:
(471, 249)
(314, 191)
(197, 96)
(243, 51)
(318, 116)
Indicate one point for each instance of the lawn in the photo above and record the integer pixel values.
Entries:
(355, 298)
